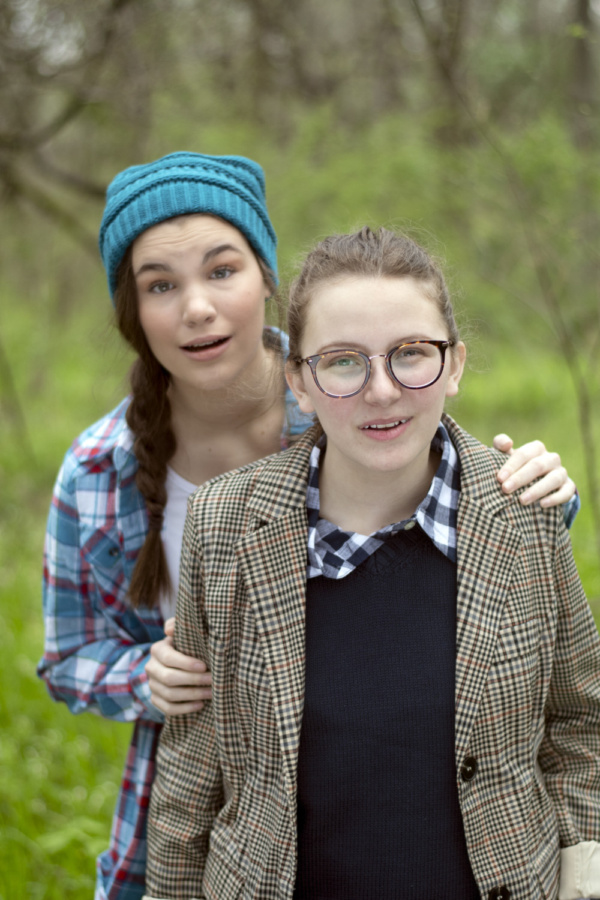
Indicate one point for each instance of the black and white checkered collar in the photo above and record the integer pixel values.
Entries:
(335, 553)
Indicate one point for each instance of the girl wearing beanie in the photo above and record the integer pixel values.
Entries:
(190, 256)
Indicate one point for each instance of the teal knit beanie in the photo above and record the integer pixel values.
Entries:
(231, 187)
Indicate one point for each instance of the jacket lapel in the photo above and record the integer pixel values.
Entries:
(272, 561)
(486, 554)
(487, 549)
(273, 565)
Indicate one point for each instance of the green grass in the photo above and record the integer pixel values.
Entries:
(59, 774)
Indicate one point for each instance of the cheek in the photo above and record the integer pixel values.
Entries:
(154, 322)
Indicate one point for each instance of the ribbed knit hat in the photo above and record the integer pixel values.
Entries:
(231, 187)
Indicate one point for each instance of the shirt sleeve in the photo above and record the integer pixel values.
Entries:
(571, 508)
(91, 660)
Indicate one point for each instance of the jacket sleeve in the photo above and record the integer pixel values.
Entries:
(91, 660)
(570, 752)
(187, 792)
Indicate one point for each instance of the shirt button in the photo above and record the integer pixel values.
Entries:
(467, 773)
(114, 552)
(499, 893)
(410, 524)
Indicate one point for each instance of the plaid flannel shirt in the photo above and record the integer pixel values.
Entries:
(96, 645)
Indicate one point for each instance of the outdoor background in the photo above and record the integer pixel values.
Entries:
(474, 124)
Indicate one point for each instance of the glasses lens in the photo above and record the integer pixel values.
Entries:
(341, 372)
(416, 365)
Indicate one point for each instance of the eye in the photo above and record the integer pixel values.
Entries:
(160, 287)
(411, 351)
(342, 361)
(222, 272)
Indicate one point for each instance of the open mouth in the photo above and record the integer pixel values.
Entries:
(386, 427)
(205, 345)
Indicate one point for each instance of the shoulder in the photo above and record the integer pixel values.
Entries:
(297, 422)
(266, 489)
(478, 463)
(103, 448)
(480, 487)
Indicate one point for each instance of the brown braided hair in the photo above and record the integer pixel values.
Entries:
(149, 418)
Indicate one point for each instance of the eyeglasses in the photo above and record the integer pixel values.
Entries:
(344, 373)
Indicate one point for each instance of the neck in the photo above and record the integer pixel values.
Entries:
(219, 430)
(229, 407)
(375, 499)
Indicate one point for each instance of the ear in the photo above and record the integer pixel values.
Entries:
(295, 380)
(457, 359)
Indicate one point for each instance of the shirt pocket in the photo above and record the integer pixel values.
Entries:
(103, 554)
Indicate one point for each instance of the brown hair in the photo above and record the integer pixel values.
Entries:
(366, 253)
(149, 418)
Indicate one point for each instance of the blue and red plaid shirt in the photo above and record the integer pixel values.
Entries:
(96, 645)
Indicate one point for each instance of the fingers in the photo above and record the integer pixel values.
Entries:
(179, 684)
(170, 627)
(526, 463)
(551, 497)
(504, 443)
(530, 462)
(178, 701)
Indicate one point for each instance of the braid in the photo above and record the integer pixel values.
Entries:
(149, 418)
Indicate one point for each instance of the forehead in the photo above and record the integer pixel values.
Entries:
(198, 229)
(363, 309)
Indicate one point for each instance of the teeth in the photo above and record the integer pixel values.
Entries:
(201, 346)
(389, 425)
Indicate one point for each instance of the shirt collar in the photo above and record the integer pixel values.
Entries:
(335, 553)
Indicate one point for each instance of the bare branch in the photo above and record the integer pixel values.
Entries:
(50, 208)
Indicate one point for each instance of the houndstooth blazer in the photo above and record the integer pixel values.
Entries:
(222, 822)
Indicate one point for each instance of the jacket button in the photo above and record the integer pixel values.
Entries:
(499, 893)
(467, 773)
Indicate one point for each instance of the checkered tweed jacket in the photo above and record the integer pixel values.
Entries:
(222, 819)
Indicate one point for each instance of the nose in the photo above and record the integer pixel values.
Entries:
(381, 389)
(197, 305)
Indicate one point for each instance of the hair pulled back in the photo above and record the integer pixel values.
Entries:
(369, 254)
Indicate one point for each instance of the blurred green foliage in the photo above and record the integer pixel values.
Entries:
(58, 773)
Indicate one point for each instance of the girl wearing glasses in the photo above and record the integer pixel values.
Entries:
(406, 673)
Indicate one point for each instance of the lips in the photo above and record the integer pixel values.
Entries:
(384, 426)
(203, 345)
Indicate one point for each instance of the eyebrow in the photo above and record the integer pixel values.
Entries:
(357, 346)
(210, 254)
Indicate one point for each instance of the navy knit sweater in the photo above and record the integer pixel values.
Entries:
(378, 813)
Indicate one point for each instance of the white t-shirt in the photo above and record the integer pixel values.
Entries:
(178, 491)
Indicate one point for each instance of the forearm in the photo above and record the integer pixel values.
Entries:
(106, 677)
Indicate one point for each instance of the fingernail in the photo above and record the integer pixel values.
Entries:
(508, 485)
(526, 497)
